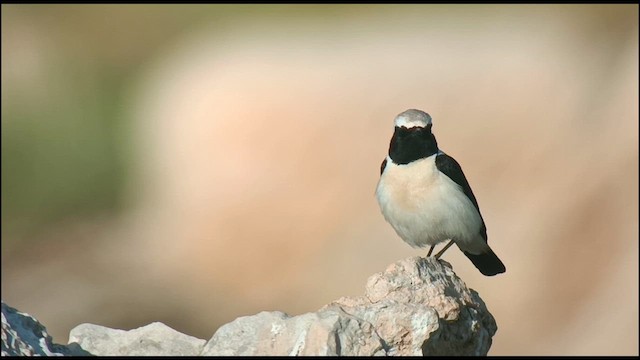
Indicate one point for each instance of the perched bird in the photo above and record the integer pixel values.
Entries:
(426, 198)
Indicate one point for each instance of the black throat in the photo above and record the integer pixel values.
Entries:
(412, 144)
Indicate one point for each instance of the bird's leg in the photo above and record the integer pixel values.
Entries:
(444, 249)
(431, 250)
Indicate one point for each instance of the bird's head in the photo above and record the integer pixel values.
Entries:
(412, 138)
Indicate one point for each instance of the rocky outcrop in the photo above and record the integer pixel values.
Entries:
(155, 339)
(23, 335)
(417, 306)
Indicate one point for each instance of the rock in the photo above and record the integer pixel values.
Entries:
(23, 335)
(420, 307)
(155, 339)
(417, 306)
(327, 332)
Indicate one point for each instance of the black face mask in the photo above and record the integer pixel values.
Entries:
(412, 144)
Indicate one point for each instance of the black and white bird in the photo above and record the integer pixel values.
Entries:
(426, 198)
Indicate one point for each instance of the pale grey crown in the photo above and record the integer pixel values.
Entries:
(413, 118)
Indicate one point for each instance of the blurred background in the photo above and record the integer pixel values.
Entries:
(193, 164)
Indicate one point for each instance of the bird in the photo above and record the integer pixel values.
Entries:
(423, 193)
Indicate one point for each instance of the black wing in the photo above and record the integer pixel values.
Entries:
(383, 165)
(450, 167)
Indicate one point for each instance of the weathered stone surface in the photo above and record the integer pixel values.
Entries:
(417, 306)
(154, 339)
(420, 307)
(23, 335)
(327, 332)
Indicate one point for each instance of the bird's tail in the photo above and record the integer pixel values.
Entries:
(487, 262)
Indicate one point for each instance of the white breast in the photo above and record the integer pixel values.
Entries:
(426, 207)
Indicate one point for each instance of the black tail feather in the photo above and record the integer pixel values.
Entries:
(488, 263)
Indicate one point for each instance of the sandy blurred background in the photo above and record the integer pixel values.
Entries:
(192, 164)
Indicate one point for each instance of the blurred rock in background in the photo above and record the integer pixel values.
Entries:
(193, 164)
